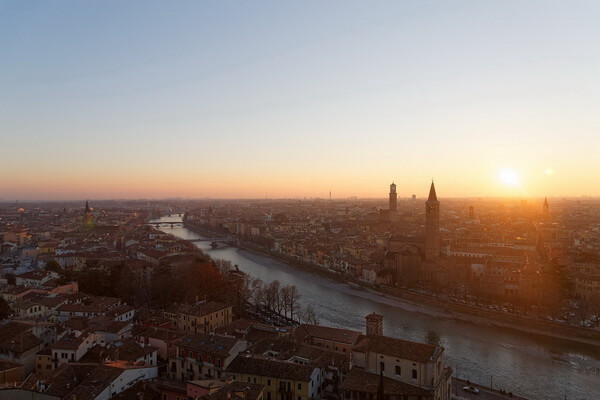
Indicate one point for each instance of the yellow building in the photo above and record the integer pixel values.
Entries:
(47, 247)
(203, 356)
(283, 380)
(204, 318)
(44, 361)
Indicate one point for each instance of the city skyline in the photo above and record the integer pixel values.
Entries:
(290, 101)
(315, 200)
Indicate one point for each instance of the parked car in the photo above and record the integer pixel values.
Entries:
(471, 389)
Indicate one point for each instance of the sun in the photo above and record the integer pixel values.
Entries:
(509, 177)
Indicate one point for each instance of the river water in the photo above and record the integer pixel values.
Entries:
(532, 366)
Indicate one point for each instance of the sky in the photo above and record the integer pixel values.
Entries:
(282, 99)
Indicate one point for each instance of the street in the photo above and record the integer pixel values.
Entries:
(485, 393)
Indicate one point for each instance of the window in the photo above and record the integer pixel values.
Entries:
(414, 374)
(299, 386)
(398, 370)
(382, 366)
(268, 382)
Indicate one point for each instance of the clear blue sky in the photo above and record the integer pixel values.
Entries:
(136, 99)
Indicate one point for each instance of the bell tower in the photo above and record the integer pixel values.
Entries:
(432, 225)
(393, 198)
(88, 220)
(374, 324)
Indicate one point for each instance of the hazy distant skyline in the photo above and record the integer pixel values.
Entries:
(145, 99)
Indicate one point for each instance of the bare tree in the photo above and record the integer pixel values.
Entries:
(285, 299)
(292, 300)
(309, 316)
(257, 292)
(223, 265)
(273, 296)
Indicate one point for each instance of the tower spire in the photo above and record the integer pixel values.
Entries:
(432, 225)
(432, 195)
(87, 216)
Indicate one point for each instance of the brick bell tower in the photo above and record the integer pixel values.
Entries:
(393, 198)
(432, 225)
(374, 324)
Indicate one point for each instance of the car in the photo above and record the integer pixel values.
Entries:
(471, 389)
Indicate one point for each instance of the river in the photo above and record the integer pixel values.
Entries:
(532, 366)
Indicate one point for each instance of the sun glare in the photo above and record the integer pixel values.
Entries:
(509, 177)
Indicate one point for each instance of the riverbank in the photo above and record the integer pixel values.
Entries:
(447, 310)
(432, 305)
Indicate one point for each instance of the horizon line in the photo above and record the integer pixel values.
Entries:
(55, 200)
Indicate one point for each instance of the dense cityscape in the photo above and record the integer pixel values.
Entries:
(299, 200)
(103, 296)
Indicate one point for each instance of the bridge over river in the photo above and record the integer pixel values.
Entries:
(172, 224)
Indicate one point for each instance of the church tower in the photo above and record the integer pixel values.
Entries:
(88, 221)
(545, 208)
(432, 225)
(374, 324)
(393, 198)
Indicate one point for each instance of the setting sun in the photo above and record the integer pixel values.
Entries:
(509, 177)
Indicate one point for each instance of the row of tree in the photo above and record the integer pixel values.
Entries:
(202, 279)
(281, 299)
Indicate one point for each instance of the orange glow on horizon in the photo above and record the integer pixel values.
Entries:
(156, 183)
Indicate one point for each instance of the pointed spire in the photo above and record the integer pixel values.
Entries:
(87, 207)
(545, 202)
(432, 195)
